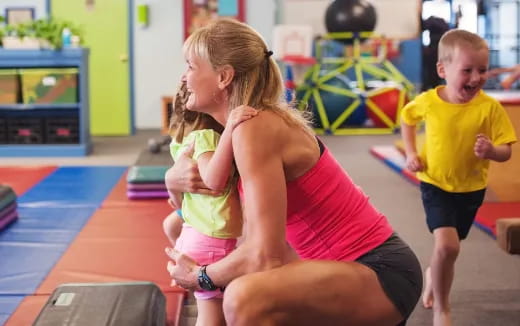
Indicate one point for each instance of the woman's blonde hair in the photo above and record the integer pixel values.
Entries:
(184, 121)
(257, 81)
(457, 38)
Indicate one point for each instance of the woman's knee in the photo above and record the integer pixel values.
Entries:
(238, 299)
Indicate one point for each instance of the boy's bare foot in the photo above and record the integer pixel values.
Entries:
(427, 296)
(442, 318)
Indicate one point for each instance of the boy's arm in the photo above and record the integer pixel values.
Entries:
(408, 135)
(413, 162)
(484, 149)
(501, 153)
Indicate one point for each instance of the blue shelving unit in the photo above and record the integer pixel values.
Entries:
(66, 58)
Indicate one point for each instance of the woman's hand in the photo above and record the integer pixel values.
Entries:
(183, 270)
(184, 176)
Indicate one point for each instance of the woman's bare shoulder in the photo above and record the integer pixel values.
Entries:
(265, 124)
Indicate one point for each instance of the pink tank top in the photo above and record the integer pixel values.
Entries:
(329, 217)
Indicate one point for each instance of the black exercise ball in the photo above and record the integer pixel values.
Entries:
(350, 16)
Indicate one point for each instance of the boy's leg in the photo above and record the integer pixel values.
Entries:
(441, 217)
(445, 252)
(209, 312)
(427, 296)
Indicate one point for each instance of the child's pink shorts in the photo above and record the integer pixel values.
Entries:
(204, 250)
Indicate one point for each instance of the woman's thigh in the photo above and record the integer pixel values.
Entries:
(310, 293)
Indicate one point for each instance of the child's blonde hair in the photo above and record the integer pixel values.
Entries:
(184, 121)
(257, 81)
(458, 38)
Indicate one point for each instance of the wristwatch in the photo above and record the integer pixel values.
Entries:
(205, 282)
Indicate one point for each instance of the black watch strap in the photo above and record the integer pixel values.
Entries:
(205, 282)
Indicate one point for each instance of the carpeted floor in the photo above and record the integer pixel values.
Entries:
(148, 158)
(161, 157)
(486, 289)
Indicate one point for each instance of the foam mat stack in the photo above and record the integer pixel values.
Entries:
(8, 206)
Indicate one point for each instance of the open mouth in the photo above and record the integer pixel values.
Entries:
(470, 88)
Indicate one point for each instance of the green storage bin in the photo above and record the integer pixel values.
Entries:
(49, 86)
(9, 86)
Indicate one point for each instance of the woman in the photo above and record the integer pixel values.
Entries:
(347, 267)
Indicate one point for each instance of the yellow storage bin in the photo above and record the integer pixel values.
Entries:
(49, 86)
(9, 86)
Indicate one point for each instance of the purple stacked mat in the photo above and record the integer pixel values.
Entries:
(8, 212)
(145, 182)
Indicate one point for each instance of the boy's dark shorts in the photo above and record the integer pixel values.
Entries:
(455, 209)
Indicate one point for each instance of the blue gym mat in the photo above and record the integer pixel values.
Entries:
(51, 214)
(7, 305)
(73, 187)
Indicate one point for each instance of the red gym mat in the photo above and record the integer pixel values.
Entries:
(490, 212)
(22, 178)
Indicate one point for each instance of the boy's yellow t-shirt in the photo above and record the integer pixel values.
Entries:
(214, 216)
(450, 136)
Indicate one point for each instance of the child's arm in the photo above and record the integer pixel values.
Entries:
(215, 167)
(413, 163)
(484, 149)
(497, 71)
(176, 198)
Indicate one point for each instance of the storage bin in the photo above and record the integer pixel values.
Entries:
(3, 131)
(25, 131)
(49, 86)
(61, 130)
(9, 86)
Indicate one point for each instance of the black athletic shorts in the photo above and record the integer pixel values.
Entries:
(455, 209)
(399, 273)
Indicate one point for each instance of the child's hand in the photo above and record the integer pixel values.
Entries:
(414, 163)
(239, 115)
(483, 147)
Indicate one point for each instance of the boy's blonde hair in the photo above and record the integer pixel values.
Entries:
(184, 121)
(257, 81)
(458, 38)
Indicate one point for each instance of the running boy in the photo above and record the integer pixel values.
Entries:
(465, 129)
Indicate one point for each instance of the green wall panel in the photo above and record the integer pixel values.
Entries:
(105, 27)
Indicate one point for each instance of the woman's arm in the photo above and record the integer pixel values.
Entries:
(258, 156)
